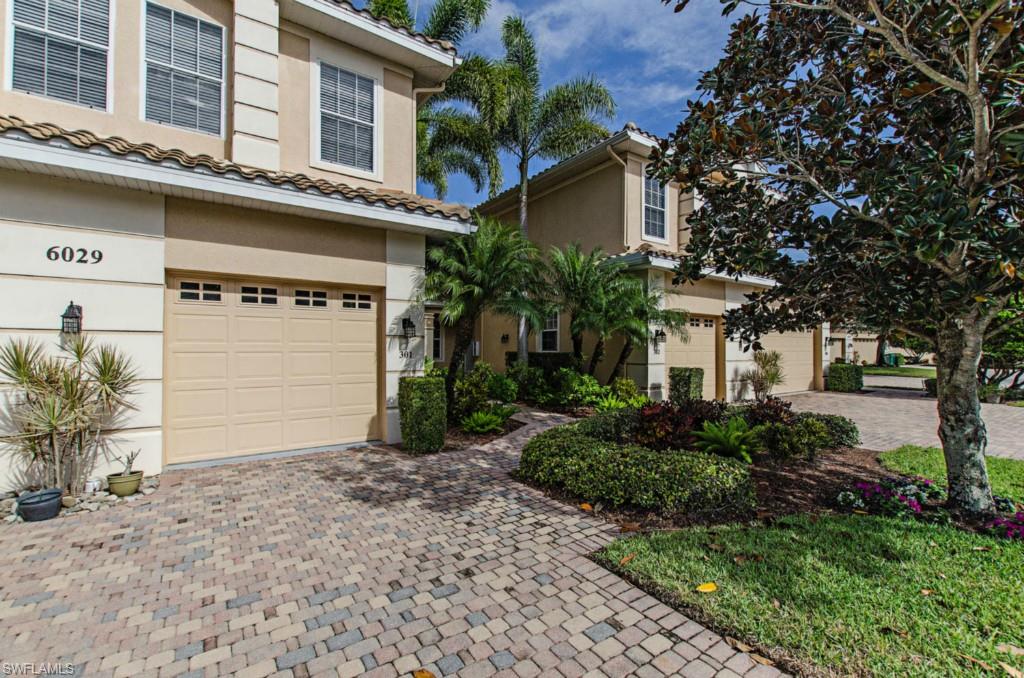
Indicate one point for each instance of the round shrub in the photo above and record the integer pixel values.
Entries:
(625, 388)
(614, 426)
(842, 431)
(502, 388)
(802, 440)
(692, 483)
(472, 391)
(421, 407)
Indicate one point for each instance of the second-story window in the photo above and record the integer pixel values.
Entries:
(549, 334)
(347, 119)
(60, 49)
(184, 70)
(654, 209)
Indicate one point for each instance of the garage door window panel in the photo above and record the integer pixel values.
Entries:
(199, 291)
(310, 298)
(356, 301)
(255, 295)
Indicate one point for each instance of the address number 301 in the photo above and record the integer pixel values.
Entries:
(76, 255)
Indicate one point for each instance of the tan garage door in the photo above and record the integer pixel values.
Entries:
(255, 366)
(797, 349)
(699, 351)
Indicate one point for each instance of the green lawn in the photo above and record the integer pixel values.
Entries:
(844, 593)
(1016, 403)
(922, 372)
(1006, 475)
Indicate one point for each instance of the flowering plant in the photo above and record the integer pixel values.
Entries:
(902, 497)
(1009, 527)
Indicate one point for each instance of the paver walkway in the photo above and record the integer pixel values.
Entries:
(889, 417)
(363, 562)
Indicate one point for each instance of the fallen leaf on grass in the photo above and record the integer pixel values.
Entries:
(899, 632)
(422, 673)
(980, 663)
(859, 512)
(941, 576)
(1010, 649)
(926, 592)
(776, 604)
(1016, 673)
(626, 559)
(586, 507)
(982, 548)
(716, 547)
(739, 645)
(761, 660)
(708, 587)
(630, 527)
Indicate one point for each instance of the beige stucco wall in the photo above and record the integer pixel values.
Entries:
(231, 240)
(635, 173)
(299, 51)
(124, 84)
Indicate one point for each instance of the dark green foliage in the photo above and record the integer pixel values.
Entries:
(842, 431)
(624, 388)
(549, 363)
(484, 421)
(667, 426)
(502, 388)
(685, 383)
(531, 383)
(615, 426)
(802, 440)
(770, 411)
(845, 378)
(732, 439)
(472, 391)
(931, 387)
(421, 406)
(577, 390)
(693, 483)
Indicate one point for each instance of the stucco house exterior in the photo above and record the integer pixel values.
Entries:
(227, 189)
(602, 197)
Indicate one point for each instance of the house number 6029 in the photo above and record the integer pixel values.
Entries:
(77, 255)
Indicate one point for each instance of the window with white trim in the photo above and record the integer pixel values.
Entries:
(193, 290)
(654, 209)
(60, 49)
(437, 348)
(263, 296)
(184, 70)
(354, 300)
(347, 118)
(549, 335)
(311, 298)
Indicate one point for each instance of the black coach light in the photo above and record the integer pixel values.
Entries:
(408, 328)
(71, 319)
(659, 336)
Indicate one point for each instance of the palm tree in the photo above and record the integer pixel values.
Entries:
(553, 124)
(450, 139)
(582, 285)
(493, 269)
(632, 316)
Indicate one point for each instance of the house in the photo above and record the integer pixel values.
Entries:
(226, 189)
(602, 197)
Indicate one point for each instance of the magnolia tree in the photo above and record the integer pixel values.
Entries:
(883, 142)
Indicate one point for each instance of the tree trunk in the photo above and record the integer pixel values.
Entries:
(597, 356)
(880, 350)
(620, 364)
(463, 338)
(522, 350)
(961, 428)
(577, 349)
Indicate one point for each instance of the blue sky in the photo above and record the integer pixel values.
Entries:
(649, 56)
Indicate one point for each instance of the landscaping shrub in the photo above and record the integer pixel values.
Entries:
(766, 374)
(733, 439)
(484, 421)
(610, 401)
(615, 426)
(549, 363)
(421, 406)
(694, 483)
(771, 411)
(531, 384)
(894, 497)
(472, 391)
(664, 426)
(502, 388)
(625, 389)
(783, 442)
(704, 410)
(577, 390)
(845, 378)
(842, 431)
(685, 383)
(931, 387)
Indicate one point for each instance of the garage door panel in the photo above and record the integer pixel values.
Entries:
(244, 379)
(698, 351)
(797, 349)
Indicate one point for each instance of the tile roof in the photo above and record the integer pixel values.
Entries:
(385, 22)
(49, 133)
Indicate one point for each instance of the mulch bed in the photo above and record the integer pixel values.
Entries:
(457, 439)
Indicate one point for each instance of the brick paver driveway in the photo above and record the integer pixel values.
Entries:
(889, 417)
(362, 562)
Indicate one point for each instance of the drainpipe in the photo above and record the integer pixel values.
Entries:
(625, 195)
(416, 91)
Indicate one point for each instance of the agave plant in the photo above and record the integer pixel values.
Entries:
(62, 407)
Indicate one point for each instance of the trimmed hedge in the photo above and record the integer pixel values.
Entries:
(613, 426)
(802, 440)
(842, 431)
(685, 383)
(845, 378)
(549, 362)
(692, 483)
(421, 407)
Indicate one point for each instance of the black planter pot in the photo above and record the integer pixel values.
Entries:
(41, 505)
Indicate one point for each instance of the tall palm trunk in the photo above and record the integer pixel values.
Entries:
(463, 339)
(577, 349)
(620, 364)
(522, 335)
(596, 356)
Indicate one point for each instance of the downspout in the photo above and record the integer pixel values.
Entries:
(416, 92)
(625, 195)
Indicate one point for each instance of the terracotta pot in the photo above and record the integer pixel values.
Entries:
(122, 486)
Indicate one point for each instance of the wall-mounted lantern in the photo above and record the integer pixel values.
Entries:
(408, 328)
(504, 338)
(659, 336)
(71, 319)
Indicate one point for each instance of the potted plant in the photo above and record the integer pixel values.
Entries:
(41, 505)
(127, 481)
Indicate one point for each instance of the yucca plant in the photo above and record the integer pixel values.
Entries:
(62, 406)
(765, 375)
(733, 439)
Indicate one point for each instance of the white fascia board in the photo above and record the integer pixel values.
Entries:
(410, 43)
(667, 264)
(171, 175)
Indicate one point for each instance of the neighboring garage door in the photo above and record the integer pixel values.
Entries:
(797, 349)
(698, 351)
(256, 366)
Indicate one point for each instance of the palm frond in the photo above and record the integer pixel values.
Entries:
(451, 19)
(395, 11)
